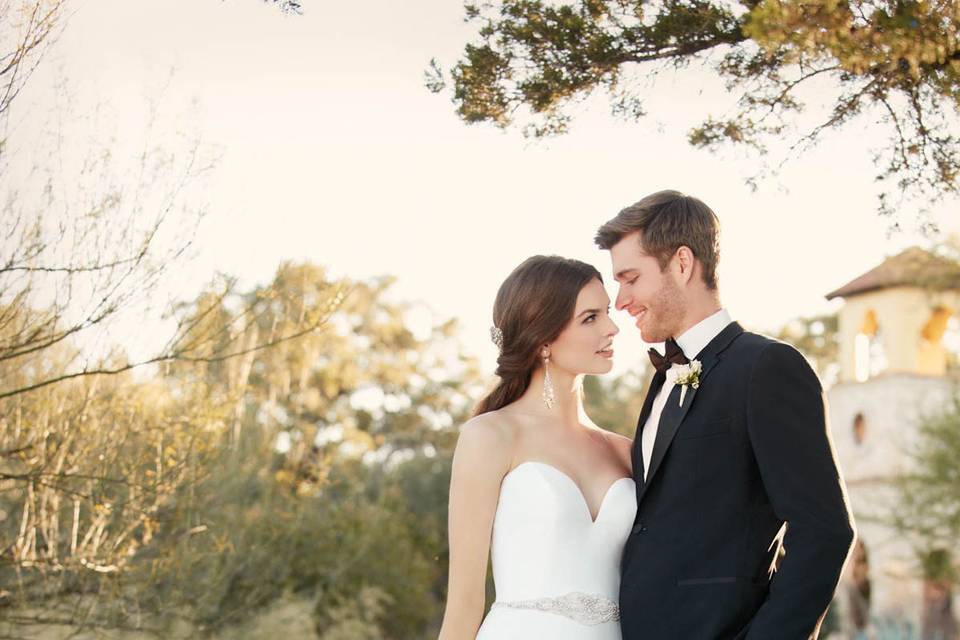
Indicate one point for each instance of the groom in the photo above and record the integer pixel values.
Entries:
(742, 525)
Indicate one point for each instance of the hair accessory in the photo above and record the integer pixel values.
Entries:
(497, 336)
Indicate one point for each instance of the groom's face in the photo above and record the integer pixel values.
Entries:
(651, 296)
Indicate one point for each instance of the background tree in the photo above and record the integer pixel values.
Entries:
(85, 241)
(895, 62)
(288, 6)
(217, 485)
(926, 510)
(27, 29)
(818, 339)
(928, 495)
(91, 466)
(614, 403)
(337, 487)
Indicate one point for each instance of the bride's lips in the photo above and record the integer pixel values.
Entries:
(606, 353)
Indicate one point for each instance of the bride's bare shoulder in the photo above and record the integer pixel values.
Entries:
(488, 434)
(622, 445)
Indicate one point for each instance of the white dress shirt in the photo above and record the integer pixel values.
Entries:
(692, 342)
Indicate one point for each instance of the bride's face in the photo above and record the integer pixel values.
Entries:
(586, 344)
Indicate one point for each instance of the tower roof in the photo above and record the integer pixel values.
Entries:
(914, 266)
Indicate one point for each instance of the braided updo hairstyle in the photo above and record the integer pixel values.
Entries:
(533, 305)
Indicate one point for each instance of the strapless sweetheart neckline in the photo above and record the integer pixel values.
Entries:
(583, 499)
(557, 568)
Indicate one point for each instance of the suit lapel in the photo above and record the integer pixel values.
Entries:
(673, 413)
(652, 391)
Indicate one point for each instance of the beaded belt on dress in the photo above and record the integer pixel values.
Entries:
(584, 608)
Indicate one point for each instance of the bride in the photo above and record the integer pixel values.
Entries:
(535, 484)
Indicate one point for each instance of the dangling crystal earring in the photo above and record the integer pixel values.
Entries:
(548, 396)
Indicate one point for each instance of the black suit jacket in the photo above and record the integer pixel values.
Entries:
(748, 453)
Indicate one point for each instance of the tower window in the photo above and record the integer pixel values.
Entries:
(869, 356)
(859, 428)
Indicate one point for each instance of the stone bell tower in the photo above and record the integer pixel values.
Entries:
(893, 372)
(894, 316)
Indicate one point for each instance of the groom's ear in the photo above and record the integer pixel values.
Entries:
(686, 262)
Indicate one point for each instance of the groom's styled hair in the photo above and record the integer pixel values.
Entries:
(666, 221)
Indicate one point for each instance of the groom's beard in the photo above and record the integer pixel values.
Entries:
(664, 314)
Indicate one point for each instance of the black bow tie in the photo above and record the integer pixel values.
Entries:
(674, 356)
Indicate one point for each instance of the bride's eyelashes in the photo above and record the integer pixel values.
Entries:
(593, 316)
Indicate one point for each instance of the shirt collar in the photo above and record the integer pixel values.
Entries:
(694, 339)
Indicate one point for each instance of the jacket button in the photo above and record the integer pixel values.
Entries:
(639, 528)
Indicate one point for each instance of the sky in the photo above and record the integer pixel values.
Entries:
(330, 149)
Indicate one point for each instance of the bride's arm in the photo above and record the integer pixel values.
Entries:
(481, 460)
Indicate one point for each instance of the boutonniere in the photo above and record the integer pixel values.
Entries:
(686, 375)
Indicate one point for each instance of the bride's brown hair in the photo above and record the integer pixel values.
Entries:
(533, 305)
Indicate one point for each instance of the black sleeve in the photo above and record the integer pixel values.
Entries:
(787, 426)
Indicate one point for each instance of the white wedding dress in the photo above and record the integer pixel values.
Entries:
(556, 569)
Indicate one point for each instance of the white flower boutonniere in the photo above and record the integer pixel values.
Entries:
(686, 375)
